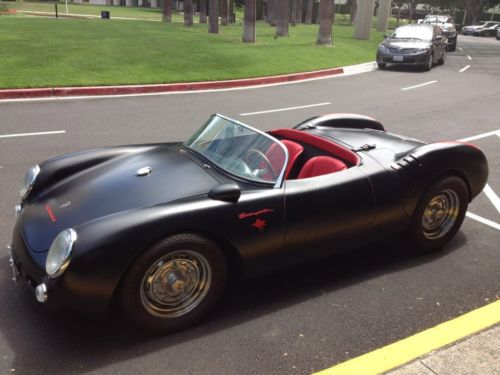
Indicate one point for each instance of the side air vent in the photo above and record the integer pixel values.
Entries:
(407, 167)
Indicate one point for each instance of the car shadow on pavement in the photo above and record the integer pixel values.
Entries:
(60, 342)
(406, 68)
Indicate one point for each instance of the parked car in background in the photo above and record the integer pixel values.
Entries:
(447, 25)
(490, 30)
(418, 44)
(469, 30)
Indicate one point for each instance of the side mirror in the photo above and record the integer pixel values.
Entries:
(229, 192)
(386, 36)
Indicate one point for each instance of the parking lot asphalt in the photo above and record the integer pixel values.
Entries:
(301, 320)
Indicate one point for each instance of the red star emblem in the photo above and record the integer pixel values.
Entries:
(259, 224)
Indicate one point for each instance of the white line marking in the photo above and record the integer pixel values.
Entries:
(470, 58)
(30, 134)
(53, 98)
(416, 86)
(483, 220)
(284, 109)
(464, 68)
(492, 197)
(479, 136)
(460, 49)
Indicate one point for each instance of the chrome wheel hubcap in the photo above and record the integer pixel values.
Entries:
(440, 214)
(175, 284)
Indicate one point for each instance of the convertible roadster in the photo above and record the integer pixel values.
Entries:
(156, 228)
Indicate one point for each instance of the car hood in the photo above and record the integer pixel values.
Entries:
(406, 43)
(112, 187)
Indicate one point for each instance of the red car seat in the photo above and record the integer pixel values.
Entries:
(320, 165)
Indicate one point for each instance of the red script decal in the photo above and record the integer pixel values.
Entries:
(51, 213)
(244, 215)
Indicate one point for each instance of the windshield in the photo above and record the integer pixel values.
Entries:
(413, 32)
(240, 150)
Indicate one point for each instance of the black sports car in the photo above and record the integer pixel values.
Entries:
(156, 227)
(420, 44)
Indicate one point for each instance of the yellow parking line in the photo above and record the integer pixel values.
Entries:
(401, 352)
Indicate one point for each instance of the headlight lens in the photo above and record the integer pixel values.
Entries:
(29, 180)
(423, 49)
(381, 48)
(60, 252)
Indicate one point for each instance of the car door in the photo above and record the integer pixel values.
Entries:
(327, 207)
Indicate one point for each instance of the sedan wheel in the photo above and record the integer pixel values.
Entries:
(430, 62)
(174, 284)
(439, 214)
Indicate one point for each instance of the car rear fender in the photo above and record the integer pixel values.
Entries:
(422, 166)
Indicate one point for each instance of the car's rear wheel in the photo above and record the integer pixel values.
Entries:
(430, 62)
(439, 214)
(174, 284)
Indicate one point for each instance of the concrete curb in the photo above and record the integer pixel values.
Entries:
(159, 88)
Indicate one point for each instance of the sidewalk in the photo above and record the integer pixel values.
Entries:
(478, 354)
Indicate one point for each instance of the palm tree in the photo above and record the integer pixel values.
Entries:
(300, 4)
(326, 14)
(293, 12)
(223, 12)
(249, 22)
(309, 11)
(167, 11)
(354, 9)
(203, 11)
(188, 13)
(213, 16)
(283, 17)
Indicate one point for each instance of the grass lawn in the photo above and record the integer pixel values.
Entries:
(43, 52)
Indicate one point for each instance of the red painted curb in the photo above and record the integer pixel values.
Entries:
(170, 87)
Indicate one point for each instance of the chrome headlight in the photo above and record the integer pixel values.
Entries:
(29, 180)
(382, 48)
(60, 253)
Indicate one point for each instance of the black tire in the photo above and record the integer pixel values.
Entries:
(431, 228)
(382, 65)
(160, 293)
(442, 59)
(453, 47)
(428, 65)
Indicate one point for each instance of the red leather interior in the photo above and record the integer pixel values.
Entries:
(319, 142)
(276, 155)
(320, 165)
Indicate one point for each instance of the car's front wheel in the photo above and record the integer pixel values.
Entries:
(429, 63)
(382, 65)
(174, 284)
(439, 214)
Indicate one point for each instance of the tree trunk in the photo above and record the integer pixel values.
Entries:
(354, 9)
(213, 16)
(309, 11)
(300, 4)
(326, 22)
(249, 21)
(223, 12)
(188, 13)
(203, 11)
(232, 16)
(273, 12)
(167, 11)
(293, 12)
(283, 17)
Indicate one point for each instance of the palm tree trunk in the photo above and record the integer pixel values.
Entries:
(272, 12)
(188, 13)
(326, 22)
(283, 17)
(203, 11)
(300, 4)
(354, 9)
(249, 22)
(232, 16)
(223, 12)
(309, 11)
(213, 16)
(293, 12)
(167, 11)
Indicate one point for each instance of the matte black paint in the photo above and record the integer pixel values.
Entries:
(118, 215)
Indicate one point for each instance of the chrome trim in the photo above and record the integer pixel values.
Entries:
(281, 176)
(12, 263)
(25, 190)
(17, 209)
(41, 293)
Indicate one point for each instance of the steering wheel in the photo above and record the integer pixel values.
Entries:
(262, 157)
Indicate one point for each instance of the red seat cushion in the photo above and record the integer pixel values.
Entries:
(320, 165)
(276, 157)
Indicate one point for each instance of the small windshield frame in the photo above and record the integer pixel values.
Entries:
(240, 150)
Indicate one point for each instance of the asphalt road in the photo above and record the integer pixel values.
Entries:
(299, 321)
